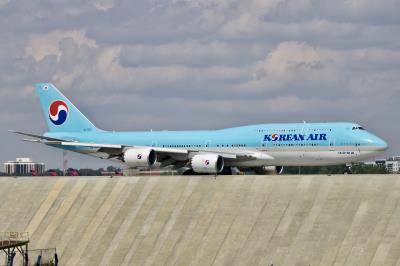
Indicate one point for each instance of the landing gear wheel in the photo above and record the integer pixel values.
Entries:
(348, 171)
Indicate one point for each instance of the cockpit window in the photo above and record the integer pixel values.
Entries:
(358, 128)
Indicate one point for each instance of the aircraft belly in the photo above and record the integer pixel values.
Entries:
(314, 158)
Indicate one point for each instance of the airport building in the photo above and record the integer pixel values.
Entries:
(24, 166)
(392, 164)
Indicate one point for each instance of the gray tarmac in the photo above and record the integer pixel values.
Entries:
(199, 220)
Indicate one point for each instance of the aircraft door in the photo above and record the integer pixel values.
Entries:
(332, 144)
(358, 151)
(207, 144)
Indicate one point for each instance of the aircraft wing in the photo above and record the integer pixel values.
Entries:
(166, 156)
(105, 151)
(119, 149)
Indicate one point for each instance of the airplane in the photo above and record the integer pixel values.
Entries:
(261, 148)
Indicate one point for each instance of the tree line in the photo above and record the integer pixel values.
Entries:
(335, 169)
(288, 170)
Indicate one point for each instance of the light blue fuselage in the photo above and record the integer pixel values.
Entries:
(288, 144)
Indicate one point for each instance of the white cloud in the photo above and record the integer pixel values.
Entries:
(294, 64)
(104, 5)
(41, 45)
(192, 53)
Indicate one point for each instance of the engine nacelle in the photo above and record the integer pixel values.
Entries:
(207, 163)
(269, 170)
(140, 157)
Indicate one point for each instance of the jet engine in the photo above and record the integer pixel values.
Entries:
(207, 163)
(140, 157)
(269, 170)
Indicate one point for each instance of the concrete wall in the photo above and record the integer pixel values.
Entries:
(239, 220)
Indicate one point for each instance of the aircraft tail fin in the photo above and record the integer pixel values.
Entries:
(60, 114)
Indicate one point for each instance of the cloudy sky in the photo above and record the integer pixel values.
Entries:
(192, 64)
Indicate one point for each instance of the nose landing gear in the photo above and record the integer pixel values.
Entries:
(348, 170)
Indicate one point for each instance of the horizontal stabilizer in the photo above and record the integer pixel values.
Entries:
(33, 135)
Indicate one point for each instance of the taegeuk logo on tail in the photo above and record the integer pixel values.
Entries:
(58, 112)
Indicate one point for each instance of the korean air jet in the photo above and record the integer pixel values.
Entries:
(263, 148)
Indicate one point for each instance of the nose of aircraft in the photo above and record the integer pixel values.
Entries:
(375, 141)
(379, 143)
